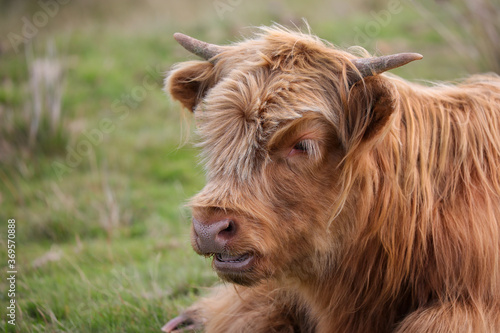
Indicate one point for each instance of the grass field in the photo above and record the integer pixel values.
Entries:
(92, 162)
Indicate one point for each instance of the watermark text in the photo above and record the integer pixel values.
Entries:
(32, 25)
(11, 271)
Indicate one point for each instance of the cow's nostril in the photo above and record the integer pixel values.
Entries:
(229, 231)
(213, 237)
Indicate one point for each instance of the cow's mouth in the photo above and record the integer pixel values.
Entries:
(227, 263)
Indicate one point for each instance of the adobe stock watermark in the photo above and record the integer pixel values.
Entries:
(11, 271)
(225, 6)
(120, 109)
(381, 19)
(32, 25)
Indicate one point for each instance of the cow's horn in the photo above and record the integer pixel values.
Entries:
(376, 65)
(205, 50)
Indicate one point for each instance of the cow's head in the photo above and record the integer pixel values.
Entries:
(278, 117)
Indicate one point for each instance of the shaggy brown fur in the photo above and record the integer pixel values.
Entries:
(372, 207)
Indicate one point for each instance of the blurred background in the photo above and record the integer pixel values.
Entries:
(94, 164)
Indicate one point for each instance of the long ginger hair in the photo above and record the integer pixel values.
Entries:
(417, 189)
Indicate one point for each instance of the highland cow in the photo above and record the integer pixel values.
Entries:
(339, 198)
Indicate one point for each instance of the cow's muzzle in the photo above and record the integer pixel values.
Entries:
(214, 238)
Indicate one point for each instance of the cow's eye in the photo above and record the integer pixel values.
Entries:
(306, 147)
(301, 147)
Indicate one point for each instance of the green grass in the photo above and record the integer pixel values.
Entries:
(99, 287)
(104, 245)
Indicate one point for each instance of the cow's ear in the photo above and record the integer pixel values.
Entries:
(188, 82)
(370, 105)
